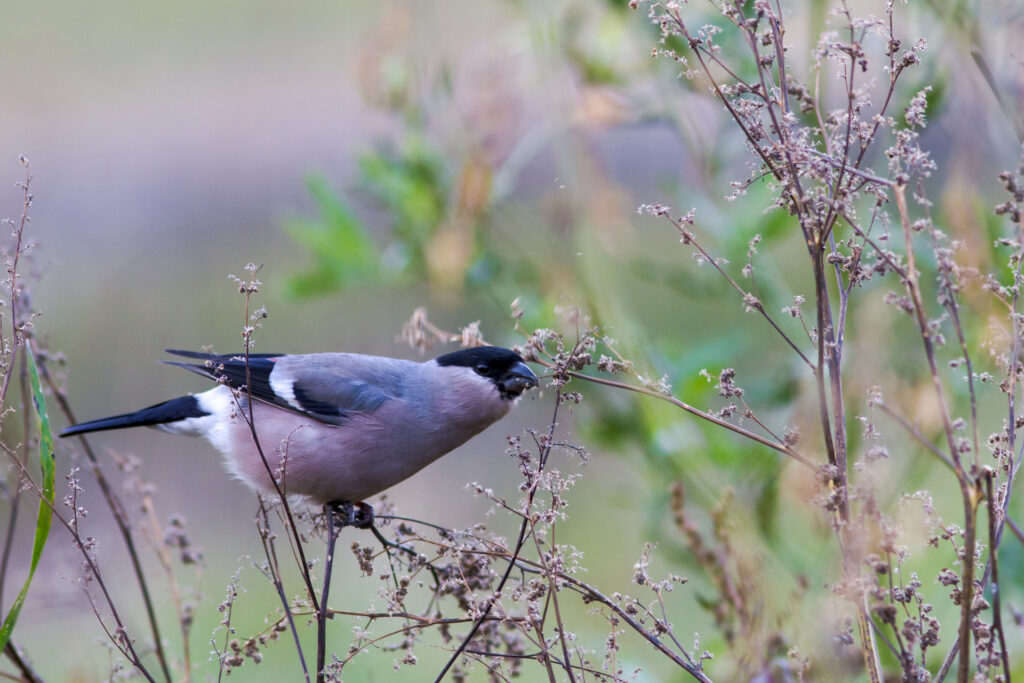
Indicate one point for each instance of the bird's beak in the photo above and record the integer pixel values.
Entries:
(518, 379)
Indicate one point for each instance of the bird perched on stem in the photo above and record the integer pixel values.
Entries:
(336, 428)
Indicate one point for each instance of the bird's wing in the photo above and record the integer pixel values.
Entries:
(327, 387)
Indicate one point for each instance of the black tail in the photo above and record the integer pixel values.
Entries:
(162, 413)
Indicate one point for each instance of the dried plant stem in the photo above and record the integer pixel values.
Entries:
(1011, 112)
(967, 491)
(164, 557)
(322, 614)
(835, 447)
(17, 330)
(916, 433)
(15, 497)
(589, 592)
(248, 415)
(8, 356)
(421, 621)
(552, 597)
(780, 447)
(122, 521)
(1016, 530)
(120, 638)
(596, 595)
(487, 609)
(12, 525)
(823, 314)
(520, 542)
(1003, 517)
(748, 298)
(248, 288)
(11, 349)
(997, 611)
(28, 674)
(545, 656)
(274, 574)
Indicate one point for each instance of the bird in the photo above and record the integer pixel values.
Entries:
(335, 428)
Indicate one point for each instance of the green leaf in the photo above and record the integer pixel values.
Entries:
(341, 246)
(410, 184)
(45, 515)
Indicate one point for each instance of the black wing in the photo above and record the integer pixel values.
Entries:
(231, 369)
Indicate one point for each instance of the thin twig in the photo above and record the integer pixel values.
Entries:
(780, 447)
(121, 520)
(916, 433)
(997, 588)
(28, 674)
(121, 639)
(520, 542)
(273, 566)
(322, 613)
(966, 489)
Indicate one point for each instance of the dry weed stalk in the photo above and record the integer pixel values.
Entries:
(818, 161)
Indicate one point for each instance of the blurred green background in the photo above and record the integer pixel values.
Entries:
(377, 157)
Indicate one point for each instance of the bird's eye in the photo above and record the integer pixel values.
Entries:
(482, 368)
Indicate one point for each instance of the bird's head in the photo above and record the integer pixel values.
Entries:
(504, 368)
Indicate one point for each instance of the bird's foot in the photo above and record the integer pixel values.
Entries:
(363, 516)
(358, 515)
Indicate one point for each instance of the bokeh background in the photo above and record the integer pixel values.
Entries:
(377, 157)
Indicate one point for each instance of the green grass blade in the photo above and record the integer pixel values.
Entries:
(45, 516)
